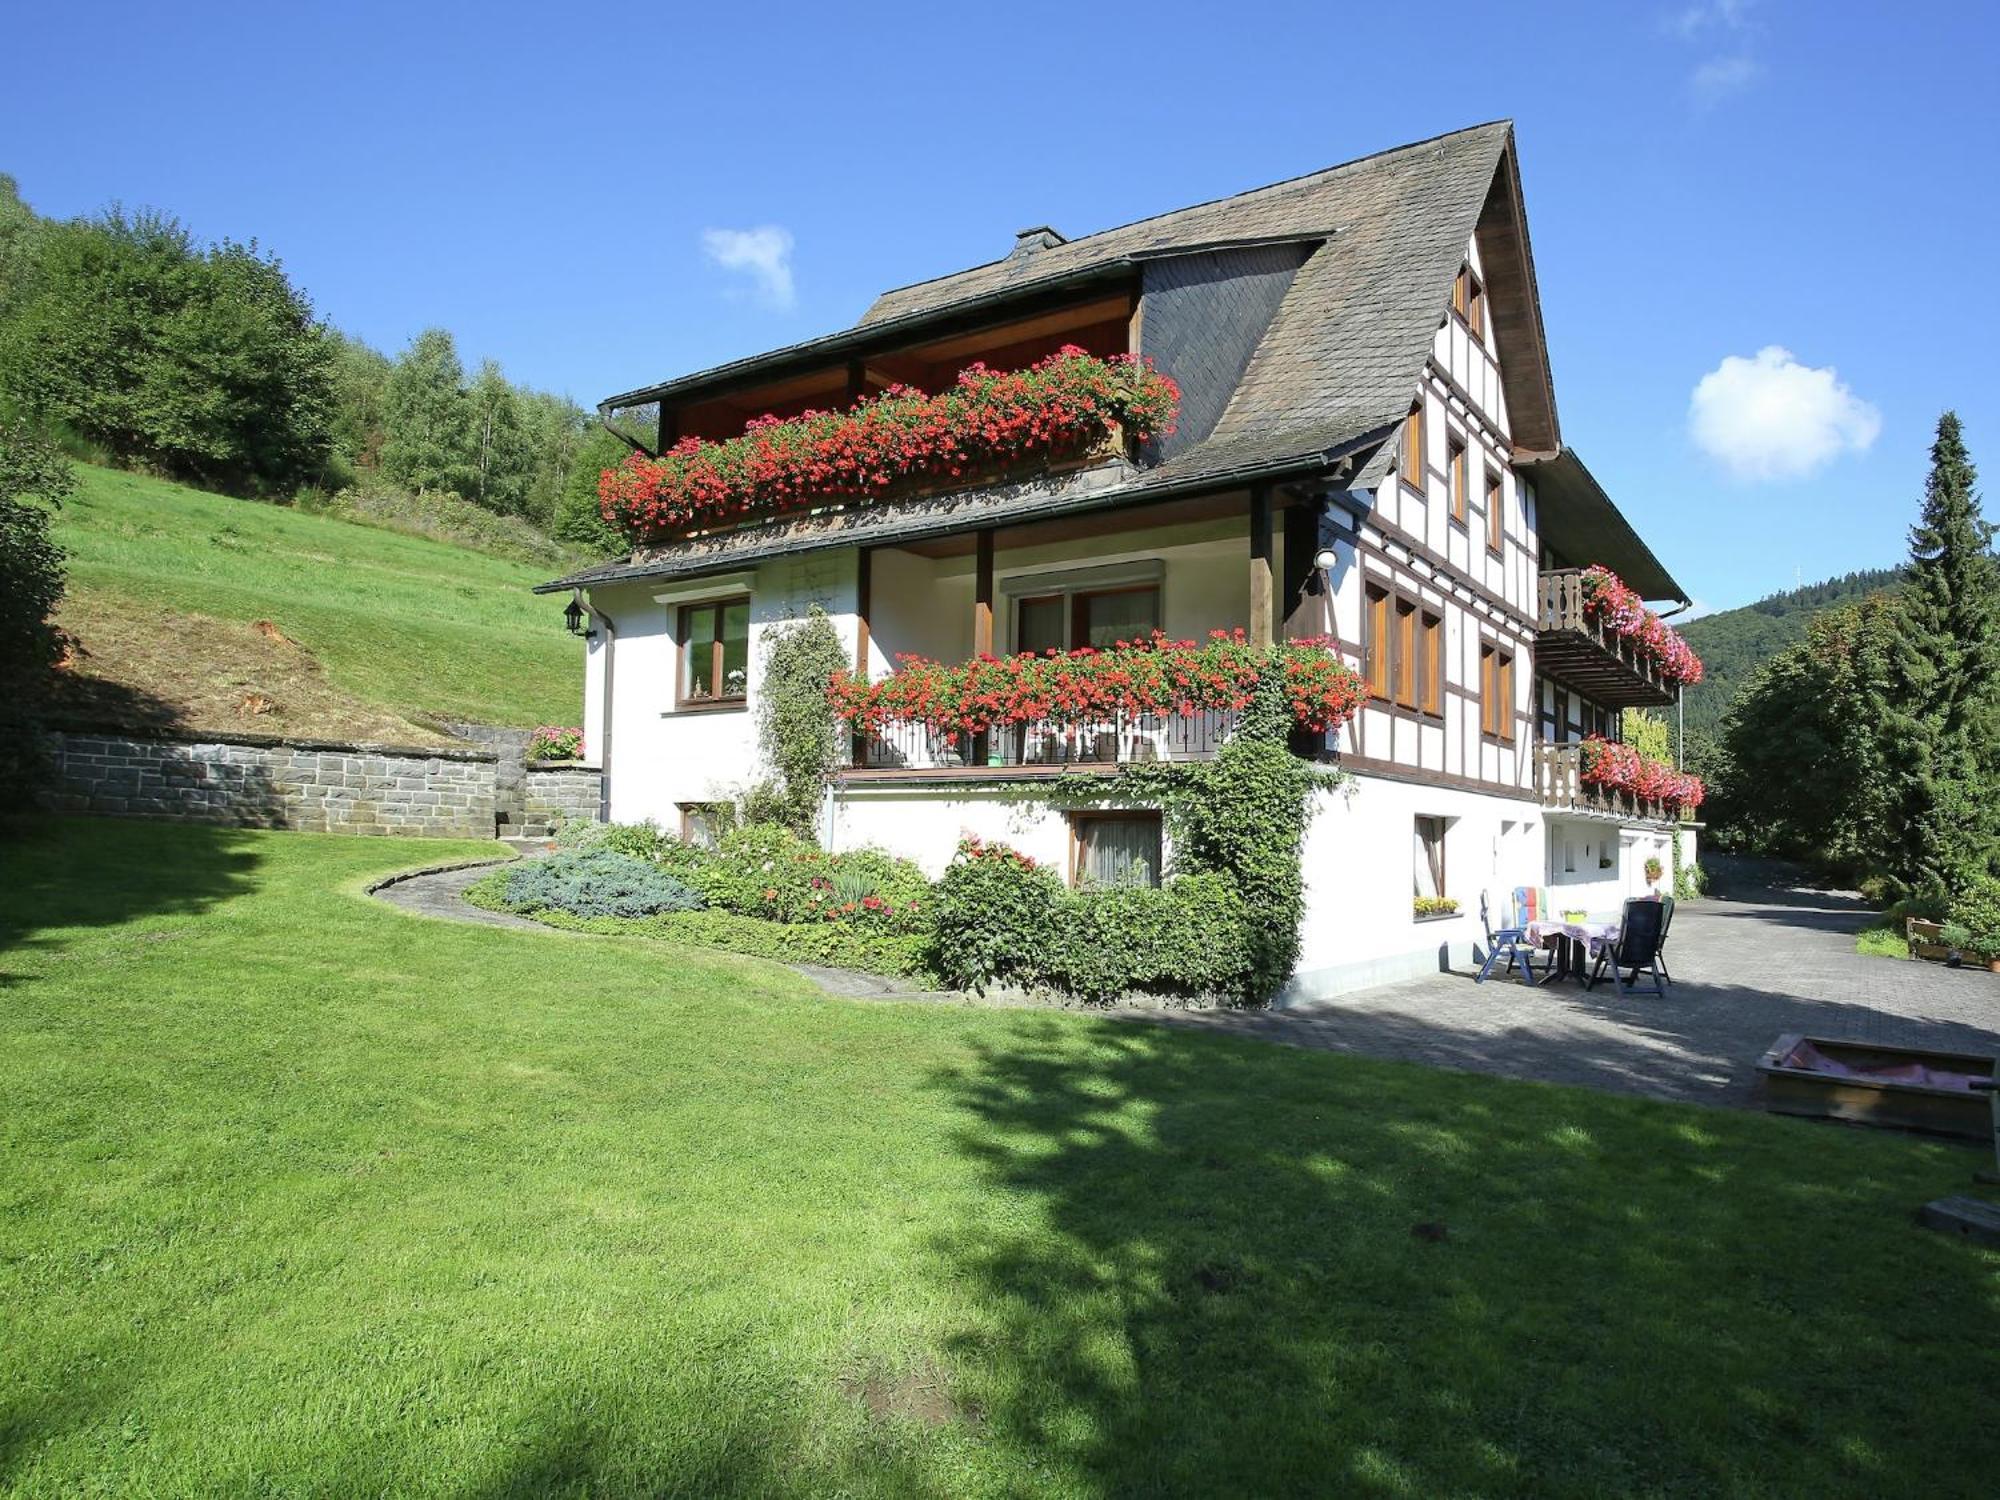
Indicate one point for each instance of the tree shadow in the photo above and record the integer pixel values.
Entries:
(61, 874)
(1238, 1270)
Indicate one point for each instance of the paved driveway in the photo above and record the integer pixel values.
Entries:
(1765, 958)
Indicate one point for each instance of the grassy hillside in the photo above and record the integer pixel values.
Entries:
(216, 613)
(1735, 643)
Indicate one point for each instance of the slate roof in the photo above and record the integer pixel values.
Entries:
(1337, 366)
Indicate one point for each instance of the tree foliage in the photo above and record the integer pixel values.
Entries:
(35, 479)
(201, 361)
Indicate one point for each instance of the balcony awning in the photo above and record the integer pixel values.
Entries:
(1579, 523)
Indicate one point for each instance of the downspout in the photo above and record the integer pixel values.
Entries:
(604, 750)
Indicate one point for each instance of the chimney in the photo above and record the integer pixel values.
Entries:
(1034, 241)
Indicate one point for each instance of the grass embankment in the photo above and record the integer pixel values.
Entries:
(373, 635)
(303, 1194)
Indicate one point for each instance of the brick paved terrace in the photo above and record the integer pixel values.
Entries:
(1762, 957)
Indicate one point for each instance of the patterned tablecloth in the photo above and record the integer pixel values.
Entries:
(1592, 932)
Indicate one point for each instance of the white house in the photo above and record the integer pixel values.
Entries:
(1368, 448)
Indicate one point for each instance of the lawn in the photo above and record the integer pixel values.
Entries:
(166, 583)
(306, 1195)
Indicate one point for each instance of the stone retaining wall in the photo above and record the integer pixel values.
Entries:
(265, 782)
(560, 792)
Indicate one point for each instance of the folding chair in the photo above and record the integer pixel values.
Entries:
(1666, 926)
(1636, 947)
(1512, 942)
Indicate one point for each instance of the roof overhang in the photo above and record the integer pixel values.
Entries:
(1021, 297)
(1578, 520)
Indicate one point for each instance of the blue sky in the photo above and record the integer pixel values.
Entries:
(602, 199)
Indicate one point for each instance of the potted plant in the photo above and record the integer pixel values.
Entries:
(1654, 870)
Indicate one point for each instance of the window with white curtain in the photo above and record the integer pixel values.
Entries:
(1116, 848)
(1428, 856)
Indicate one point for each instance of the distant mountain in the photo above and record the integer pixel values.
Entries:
(1734, 643)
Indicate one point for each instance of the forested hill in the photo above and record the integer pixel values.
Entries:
(1734, 643)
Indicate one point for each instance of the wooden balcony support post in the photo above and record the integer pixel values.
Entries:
(864, 588)
(982, 615)
(1261, 600)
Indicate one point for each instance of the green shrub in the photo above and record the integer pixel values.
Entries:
(596, 883)
(1978, 913)
(1001, 918)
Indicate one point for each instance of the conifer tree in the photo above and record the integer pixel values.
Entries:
(1940, 710)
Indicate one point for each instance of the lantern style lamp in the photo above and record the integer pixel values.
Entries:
(573, 617)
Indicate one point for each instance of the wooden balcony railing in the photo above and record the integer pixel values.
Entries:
(1559, 782)
(1580, 652)
(1055, 747)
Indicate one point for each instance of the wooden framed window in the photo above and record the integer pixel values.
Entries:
(1461, 501)
(1496, 513)
(1403, 666)
(715, 654)
(1468, 300)
(1430, 663)
(1496, 692)
(1098, 617)
(1375, 639)
(1115, 848)
(1411, 463)
(1428, 857)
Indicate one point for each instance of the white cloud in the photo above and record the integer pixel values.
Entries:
(1720, 77)
(1719, 15)
(764, 254)
(1771, 417)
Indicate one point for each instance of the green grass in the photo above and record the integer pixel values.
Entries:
(305, 1195)
(1883, 939)
(405, 623)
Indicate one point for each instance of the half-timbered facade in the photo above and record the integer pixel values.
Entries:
(1367, 450)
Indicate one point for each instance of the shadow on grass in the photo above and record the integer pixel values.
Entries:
(1246, 1270)
(60, 874)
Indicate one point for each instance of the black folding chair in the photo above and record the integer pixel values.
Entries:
(1666, 926)
(1636, 947)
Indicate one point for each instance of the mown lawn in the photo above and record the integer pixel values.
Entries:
(399, 623)
(304, 1195)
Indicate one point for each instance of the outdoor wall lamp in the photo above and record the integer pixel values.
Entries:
(573, 617)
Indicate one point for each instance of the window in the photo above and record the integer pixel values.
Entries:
(715, 653)
(1430, 663)
(1405, 664)
(1460, 499)
(1496, 514)
(1375, 641)
(1402, 650)
(702, 823)
(1429, 860)
(1496, 692)
(1412, 462)
(1468, 300)
(1101, 618)
(1121, 848)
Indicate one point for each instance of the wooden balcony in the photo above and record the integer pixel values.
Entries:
(1559, 783)
(1045, 748)
(1581, 653)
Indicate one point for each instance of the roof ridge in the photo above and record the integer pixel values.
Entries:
(1282, 183)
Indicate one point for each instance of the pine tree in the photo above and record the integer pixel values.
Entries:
(1941, 707)
(426, 425)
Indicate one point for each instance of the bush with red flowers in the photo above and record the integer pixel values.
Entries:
(1620, 768)
(1157, 675)
(1610, 601)
(989, 422)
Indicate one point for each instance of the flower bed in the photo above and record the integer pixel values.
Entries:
(554, 742)
(989, 422)
(1620, 768)
(1157, 675)
(1608, 600)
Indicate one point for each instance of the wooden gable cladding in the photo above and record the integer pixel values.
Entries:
(1513, 309)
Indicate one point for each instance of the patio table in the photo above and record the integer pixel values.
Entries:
(1576, 942)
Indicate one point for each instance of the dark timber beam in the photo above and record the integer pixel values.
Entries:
(982, 615)
(1260, 565)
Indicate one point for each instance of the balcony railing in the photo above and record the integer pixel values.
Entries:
(1559, 781)
(1573, 649)
(909, 746)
